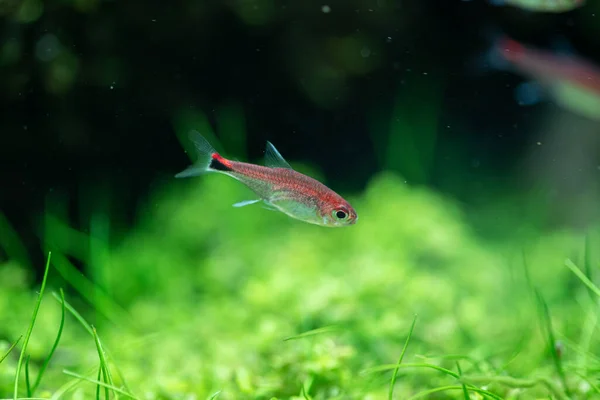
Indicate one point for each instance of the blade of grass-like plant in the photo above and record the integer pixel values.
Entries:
(11, 349)
(90, 292)
(31, 324)
(586, 281)
(305, 395)
(465, 392)
(119, 373)
(92, 331)
(65, 388)
(105, 380)
(99, 252)
(453, 374)
(453, 387)
(387, 367)
(547, 327)
(232, 128)
(306, 386)
(214, 395)
(27, 384)
(12, 244)
(394, 375)
(313, 332)
(527, 275)
(473, 361)
(98, 386)
(75, 314)
(515, 353)
(97, 382)
(588, 264)
(54, 346)
(104, 365)
(519, 383)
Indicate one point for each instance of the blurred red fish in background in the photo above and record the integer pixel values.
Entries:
(569, 81)
(548, 6)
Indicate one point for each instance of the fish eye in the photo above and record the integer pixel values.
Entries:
(340, 214)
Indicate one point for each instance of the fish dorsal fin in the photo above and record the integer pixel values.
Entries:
(273, 159)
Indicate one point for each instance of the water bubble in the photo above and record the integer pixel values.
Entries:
(326, 9)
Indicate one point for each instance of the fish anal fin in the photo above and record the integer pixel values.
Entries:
(268, 206)
(274, 159)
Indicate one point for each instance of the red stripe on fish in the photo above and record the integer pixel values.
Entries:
(219, 163)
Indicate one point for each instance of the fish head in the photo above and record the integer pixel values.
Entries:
(339, 213)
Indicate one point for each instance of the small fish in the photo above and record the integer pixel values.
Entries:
(545, 6)
(277, 185)
(570, 81)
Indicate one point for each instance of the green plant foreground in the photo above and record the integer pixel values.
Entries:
(208, 301)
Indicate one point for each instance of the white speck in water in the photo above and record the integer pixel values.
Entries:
(389, 39)
(112, 86)
(365, 52)
(153, 20)
(539, 143)
(424, 73)
(326, 9)
(24, 127)
(448, 126)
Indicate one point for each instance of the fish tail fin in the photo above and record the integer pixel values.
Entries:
(208, 158)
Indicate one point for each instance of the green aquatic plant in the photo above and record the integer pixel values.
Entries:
(28, 334)
(204, 300)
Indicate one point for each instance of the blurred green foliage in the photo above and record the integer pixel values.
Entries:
(201, 297)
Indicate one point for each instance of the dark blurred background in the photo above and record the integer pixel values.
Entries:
(92, 92)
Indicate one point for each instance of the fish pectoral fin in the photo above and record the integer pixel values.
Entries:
(273, 159)
(246, 203)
